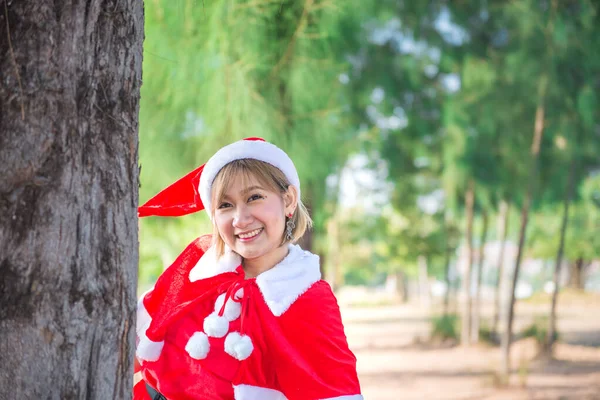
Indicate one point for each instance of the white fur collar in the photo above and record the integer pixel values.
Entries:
(280, 286)
(209, 266)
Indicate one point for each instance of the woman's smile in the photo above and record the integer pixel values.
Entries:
(249, 236)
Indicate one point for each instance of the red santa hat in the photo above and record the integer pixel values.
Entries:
(192, 192)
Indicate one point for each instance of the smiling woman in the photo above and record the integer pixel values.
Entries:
(243, 314)
(253, 206)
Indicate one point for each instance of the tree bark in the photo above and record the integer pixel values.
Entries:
(69, 102)
(466, 317)
(576, 279)
(559, 256)
(535, 150)
(503, 234)
(477, 302)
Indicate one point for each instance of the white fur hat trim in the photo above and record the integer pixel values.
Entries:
(238, 346)
(254, 149)
(198, 346)
(216, 326)
(233, 309)
(149, 350)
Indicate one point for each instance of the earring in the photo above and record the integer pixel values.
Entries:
(289, 228)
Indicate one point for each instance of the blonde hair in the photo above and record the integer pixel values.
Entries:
(272, 178)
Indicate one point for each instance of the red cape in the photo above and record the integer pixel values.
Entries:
(301, 354)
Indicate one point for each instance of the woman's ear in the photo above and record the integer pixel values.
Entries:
(290, 199)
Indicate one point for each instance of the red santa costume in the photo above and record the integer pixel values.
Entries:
(206, 332)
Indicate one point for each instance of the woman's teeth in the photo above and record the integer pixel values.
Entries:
(249, 234)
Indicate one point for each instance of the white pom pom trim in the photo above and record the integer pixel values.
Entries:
(233, 309)
(198, 346)
(238, 346)
(216, 326)
(149, 350)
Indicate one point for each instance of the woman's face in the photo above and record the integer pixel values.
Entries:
(251, 220)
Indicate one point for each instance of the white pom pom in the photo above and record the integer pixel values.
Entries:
(198, 346)
(233, 309)
(238, 346)
(149, 350)
(216, 326)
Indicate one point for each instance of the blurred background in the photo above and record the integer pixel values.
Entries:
(449, 156)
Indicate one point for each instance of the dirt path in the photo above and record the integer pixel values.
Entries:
(393, 367)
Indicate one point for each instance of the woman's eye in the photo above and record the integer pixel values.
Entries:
(224, 205)
(255, 197)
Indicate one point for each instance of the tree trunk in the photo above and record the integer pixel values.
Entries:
(306, 241)
(401, 288)
(535, 150)
(69, 102)
(576, 280)
(449, 248)
(447, 278)
(335, 276)
(477, 303)
(559, 255)
(503, 234)
(424, 282)
(466, 317)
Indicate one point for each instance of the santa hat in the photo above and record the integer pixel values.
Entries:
(192, 192)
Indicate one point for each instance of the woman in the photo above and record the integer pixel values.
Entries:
(243, 314)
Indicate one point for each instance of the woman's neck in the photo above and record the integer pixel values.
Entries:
(256, 266)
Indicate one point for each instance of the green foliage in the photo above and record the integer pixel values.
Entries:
(517, 56)
(436, 107)
(582, 240)
(360, 274)
(587, 106)
(374, 246)
(219, 71)
(539, 331)
(445, 327)
(161, 240)
(487, 334)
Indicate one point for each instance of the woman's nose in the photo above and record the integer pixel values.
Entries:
(242, 217)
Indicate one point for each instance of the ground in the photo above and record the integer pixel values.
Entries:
(396, 361)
